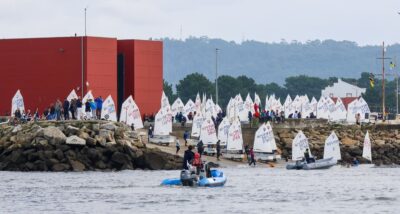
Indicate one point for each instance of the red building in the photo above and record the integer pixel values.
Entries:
(47, 69)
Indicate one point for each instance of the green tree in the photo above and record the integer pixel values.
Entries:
(188, 87)
(300, 85)
(169, 92)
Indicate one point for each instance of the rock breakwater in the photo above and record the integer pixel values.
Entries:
(78, 146)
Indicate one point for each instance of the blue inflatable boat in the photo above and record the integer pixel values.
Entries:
(188, 178)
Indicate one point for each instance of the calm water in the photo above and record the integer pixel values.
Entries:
(248, 190)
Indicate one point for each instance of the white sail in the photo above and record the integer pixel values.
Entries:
(299, 146)
(164, 101)
(197, 102)
(235, 138)
(210, 108)
(177, 106)
(352, 110)
(108, 111)
(367, 148)
(264, 140)
(17, 102)
(223, 131)
(197, 123)
(88, 96)
(363, 108)
(340, 112)
(130, 113)
(208, 133)
(163, 122)
(249, 105)
(332, 147)
(72, 95)
(189, 107)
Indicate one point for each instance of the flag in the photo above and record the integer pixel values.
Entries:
(371, 80)
(392, 65)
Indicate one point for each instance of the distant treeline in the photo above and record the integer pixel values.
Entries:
(229, 86)
(271, 62)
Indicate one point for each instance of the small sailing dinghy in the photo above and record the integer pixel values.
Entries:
(208, 135)
(234, 147)
(163, 128)
(264, 143)
(367, 148)
(207, 178)
(299, 146)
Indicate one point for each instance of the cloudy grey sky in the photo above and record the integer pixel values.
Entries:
(362, 21)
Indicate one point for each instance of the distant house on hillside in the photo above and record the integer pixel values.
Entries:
(342, 89)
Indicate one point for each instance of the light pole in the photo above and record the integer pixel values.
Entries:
(216, 75)
(85, 20)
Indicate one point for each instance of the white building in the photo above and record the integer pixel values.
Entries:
(342, 89)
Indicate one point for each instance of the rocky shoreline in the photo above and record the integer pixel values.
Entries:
(78, 146)
(385, 143)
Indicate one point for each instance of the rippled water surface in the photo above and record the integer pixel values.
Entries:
(248, 190)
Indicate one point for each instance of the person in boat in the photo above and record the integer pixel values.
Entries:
(218, 147)
(307, 157)
(188, 157)
(197, 162)
(252, 159)
(355, 162)
(200, 147)
(178, 146)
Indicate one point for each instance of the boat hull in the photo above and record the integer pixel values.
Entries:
(217, 179)
(318, 164)
(162, 139)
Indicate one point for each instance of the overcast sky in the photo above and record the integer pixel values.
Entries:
(362, 21)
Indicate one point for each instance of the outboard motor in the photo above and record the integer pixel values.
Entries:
(188, 178)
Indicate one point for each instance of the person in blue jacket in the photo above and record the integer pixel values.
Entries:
(99, 106)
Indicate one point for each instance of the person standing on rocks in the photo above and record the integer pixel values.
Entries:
(150, 133)
(58, 107)
(99, 106)
(188, 157)
(79, 108)
(66, 109)
(88, 110)
(178, 146)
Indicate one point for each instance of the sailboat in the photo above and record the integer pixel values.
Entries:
(163, 128)
(223, 131)
(108, 109)
(17, 103)
(332, 147)
(367, 154)
(196, 128)
(264, 143)
(234, 146)
(299, 146)
(130, 114)
(208, 135)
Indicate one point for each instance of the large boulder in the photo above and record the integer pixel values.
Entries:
(71, 130)
(349, 142)
(108, 126)
(53, 135)
(75, 140)
(77, 166)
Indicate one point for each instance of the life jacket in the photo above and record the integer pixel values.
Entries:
(196, 160)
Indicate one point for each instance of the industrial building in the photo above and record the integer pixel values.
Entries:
(47, 69)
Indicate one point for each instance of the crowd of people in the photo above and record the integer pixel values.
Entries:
(66, 110)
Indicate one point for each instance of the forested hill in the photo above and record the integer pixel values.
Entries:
(270, 62)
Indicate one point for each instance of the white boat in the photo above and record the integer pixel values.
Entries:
(130, 114)
(17, 103)
(234, 146)
(264, 146)
(108, 109)
(223, 131)
(299, 146)
(367, 154)
(163, 128)
(332, 147)
(208, 136)
(196, 128)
